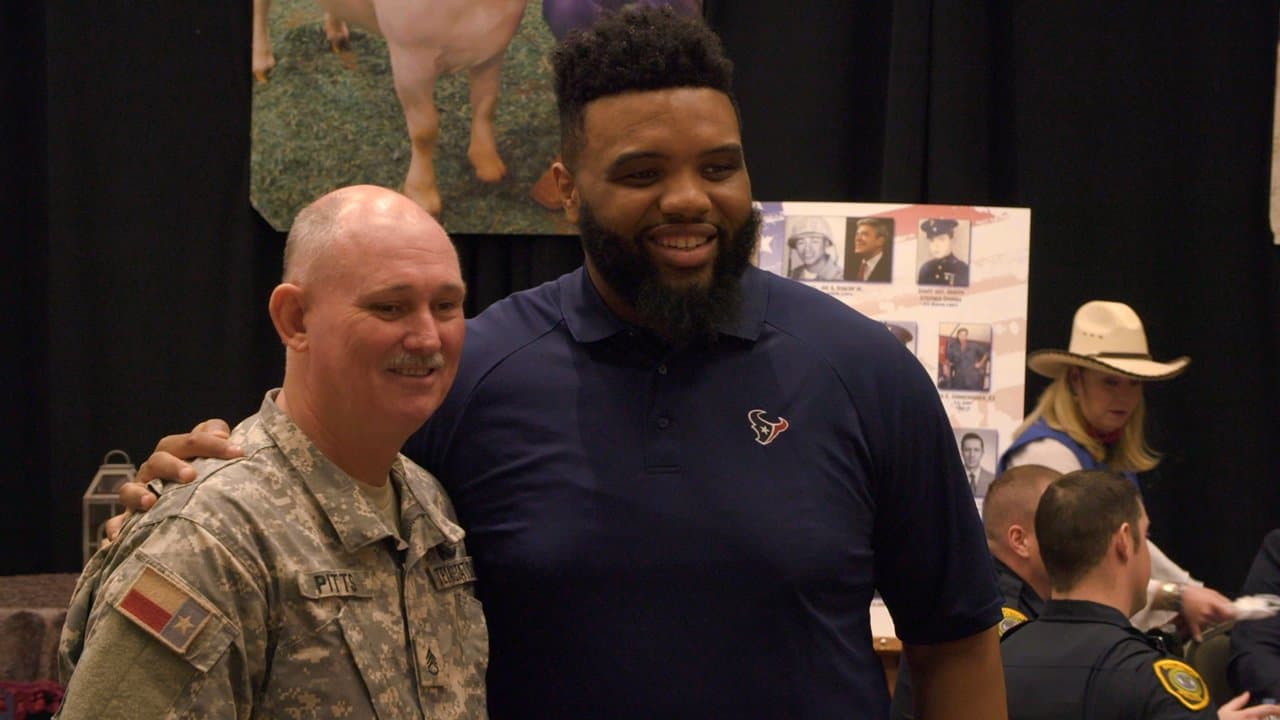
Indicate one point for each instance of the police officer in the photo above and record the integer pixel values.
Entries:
(1082, 658)
(944, 268)
(810, 241)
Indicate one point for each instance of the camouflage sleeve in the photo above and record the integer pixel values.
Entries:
(71, 642)
(175, 629)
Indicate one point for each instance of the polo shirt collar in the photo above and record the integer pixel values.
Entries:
(590, 320)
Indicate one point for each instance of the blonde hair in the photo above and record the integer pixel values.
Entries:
(1059, 409)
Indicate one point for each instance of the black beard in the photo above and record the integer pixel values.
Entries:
(683, 316)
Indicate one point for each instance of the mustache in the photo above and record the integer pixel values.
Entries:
(417, 361)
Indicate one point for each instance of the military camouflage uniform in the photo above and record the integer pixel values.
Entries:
(271, 588)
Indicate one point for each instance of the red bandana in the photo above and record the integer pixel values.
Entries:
(1106, 438)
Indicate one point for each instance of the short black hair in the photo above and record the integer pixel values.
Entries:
(972, 436)
(1076, 518)
(635, 49)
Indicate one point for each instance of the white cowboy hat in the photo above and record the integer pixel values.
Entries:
(1107, 336)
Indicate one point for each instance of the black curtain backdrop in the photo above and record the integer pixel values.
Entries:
(1138, 132)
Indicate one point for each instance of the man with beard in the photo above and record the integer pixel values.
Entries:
(683, 478)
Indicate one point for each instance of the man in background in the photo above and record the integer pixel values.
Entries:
(1008, 517)
(1081, 657)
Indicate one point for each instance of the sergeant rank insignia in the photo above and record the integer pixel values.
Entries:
(1182, 682)
(1010, 620)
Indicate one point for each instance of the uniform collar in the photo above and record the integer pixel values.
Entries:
(589, 319)
(1084, 611)
(354, 519)
(1013, 586)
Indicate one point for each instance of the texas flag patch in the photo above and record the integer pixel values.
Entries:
(173, 615)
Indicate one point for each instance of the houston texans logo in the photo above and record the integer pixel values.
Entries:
(766, 430)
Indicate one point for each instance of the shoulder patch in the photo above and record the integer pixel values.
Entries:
(1010, 619)
(1182, 682)
(172, 614)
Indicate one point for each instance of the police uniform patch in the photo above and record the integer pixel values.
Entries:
(170, 613)
(1182, 682)
(1010, 620)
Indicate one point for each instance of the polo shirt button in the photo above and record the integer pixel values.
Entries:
(662, 369)
(663, 423)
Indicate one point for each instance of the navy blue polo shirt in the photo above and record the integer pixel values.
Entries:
(699, 534)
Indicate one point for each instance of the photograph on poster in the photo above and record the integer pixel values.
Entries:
(869, 249)
(979, 448)
(905, 331)
(981, 383)
(942, 252)
(964, 357)
(815, 248)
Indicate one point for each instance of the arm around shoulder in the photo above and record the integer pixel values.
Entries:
(961, 680)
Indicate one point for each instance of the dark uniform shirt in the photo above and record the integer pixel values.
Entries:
(949, 270)
(1082, 659)
(1255, 646)
(1021, 603)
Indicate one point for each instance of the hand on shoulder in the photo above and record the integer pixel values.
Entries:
(170, 461)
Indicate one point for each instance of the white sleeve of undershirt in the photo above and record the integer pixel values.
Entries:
(1047, 452)
(1163, 570)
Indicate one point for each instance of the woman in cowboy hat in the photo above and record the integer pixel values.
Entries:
(1091, 416)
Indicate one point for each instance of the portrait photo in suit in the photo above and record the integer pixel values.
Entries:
(978, 452)
(869, 250)
(964, 356)
(942, 252)
(815, 248)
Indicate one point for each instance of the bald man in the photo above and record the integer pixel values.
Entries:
(322, 573)
(1009, 518)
